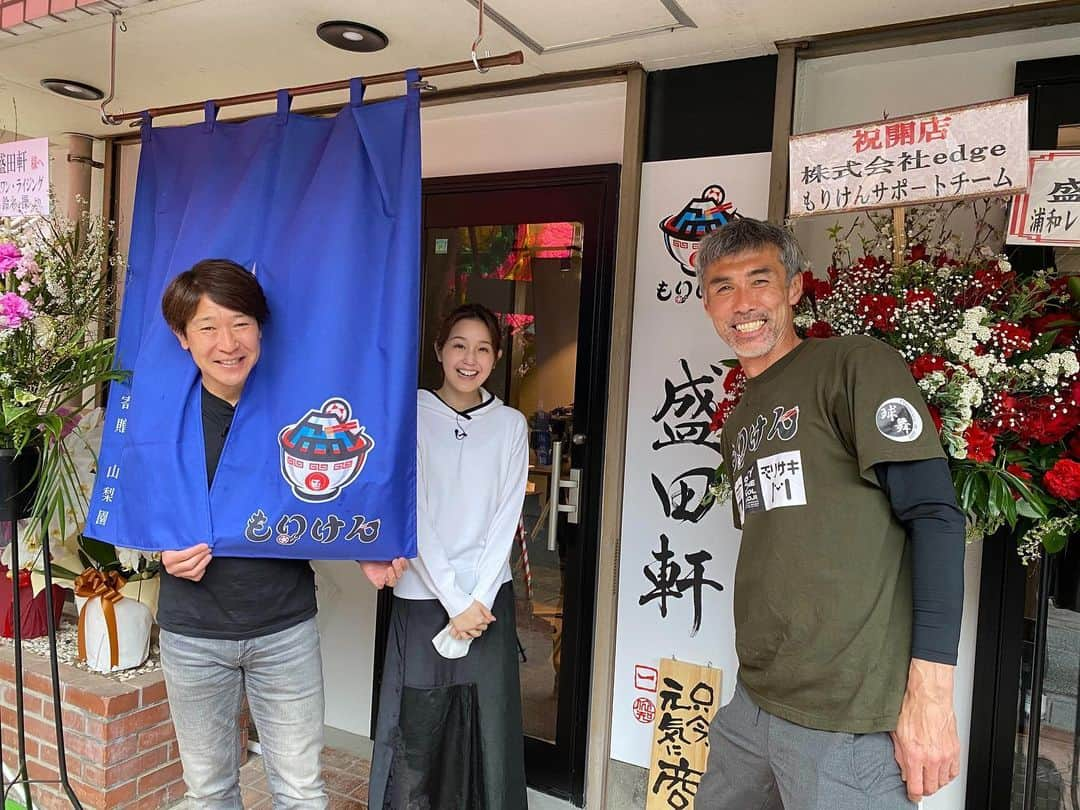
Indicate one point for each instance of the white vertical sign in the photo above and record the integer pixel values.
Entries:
(24, 178)
(677, 564)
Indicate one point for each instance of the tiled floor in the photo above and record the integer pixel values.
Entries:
(346, 777)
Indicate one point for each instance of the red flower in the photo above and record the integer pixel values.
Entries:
(980, 443)
(1063, 479)
(992, 279)
(735, 381)
(1006, 411)
(879, 311)
(820, 329)
(918, 253)
(720, 415)
(1055, 320)
(935, 414)
(927, 364)
(915, 296)
(1045, 426)
(816, 288)
(1010, 338)
(1018, 471)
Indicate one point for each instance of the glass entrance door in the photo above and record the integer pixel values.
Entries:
(530, 275)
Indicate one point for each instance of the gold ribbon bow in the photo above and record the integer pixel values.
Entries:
(106, 586)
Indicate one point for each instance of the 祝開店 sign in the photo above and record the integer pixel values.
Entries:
(1049, 214)
(24, 178)
(951, 154)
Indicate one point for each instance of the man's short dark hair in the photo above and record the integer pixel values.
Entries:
(224, 282)
(742, 234)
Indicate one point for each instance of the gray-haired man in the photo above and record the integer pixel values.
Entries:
(849, 585)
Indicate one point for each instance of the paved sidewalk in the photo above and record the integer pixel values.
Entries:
(346, 777)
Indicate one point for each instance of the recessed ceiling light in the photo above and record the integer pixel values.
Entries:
(73, 89)
(352, 36)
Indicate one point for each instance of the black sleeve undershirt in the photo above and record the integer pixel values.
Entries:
(924, 501)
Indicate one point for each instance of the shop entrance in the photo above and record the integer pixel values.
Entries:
(538, 249)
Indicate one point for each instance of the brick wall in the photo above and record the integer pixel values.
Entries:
(121, 747)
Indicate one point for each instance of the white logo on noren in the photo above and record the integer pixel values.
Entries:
(898, 420)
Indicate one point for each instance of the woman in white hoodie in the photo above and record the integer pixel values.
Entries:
(449, 731)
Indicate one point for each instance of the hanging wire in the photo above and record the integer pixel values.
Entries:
(479, 38)
(106, 118)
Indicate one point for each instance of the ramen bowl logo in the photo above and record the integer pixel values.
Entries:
(701, 216)
(324, 452)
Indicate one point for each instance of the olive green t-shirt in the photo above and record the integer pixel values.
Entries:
(823, 582)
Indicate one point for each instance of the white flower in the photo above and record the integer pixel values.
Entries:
(974, 317)
(129, 558)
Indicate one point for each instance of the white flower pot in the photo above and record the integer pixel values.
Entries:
(133, 623)
(145, 591)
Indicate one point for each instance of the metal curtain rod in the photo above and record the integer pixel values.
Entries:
(513, 58)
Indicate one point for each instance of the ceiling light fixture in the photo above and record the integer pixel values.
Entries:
(72, 89)
(352, 36)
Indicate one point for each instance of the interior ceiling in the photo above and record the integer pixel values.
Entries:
(188, 50)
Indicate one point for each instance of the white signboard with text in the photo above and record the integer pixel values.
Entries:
(24, 178)
(677, 560)
(1049, 214)
(977, 151)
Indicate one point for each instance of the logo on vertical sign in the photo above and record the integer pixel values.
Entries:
(684, 230)
(324, 452)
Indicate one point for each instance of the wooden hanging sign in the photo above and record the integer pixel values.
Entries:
(688, 696)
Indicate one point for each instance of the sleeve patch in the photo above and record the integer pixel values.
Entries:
(898, 420)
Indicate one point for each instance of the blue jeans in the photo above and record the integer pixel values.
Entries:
(282, 676)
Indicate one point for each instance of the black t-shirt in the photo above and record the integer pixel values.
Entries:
(238, 597)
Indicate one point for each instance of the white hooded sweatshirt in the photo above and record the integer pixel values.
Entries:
(471, 472)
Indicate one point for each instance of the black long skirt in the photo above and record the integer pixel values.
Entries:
(449, 733)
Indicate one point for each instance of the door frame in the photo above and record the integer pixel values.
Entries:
(565, 777)
(1001, 635)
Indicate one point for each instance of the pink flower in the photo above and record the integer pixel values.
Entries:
(10, 256)
(14, 309)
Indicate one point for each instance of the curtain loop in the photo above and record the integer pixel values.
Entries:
(284, 101)
(356, 91)
(211, 110)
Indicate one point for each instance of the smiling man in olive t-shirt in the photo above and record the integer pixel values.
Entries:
(849, 584)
